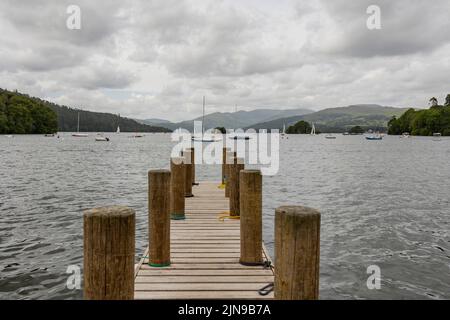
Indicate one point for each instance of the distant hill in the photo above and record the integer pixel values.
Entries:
(153, 122)
(234, 120)
(66, 118)
(98, 122)
(368, 116)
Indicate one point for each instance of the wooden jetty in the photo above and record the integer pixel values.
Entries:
(205, 254)
(205, 242)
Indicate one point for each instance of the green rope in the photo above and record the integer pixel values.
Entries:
(177, 216)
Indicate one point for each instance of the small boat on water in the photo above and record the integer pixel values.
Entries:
(330, 136)
(375, 137)
(9, 136)
(437, 136)
(240, 138)
(313, 130)
(203, 137)
(49, 135)
(136, 135)
(405, 135)
(102, 139)
(78, 134)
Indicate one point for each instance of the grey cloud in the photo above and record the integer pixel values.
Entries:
(408, 27)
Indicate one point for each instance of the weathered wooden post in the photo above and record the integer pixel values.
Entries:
(297, 253)
(109, 248)
(224, 163)
(250, 187)
(159, 217)
(229, 164)
(188, 173)
(234, 186)
(177, 186)
(192, 150)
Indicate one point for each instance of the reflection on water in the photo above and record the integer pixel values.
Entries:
(382, 202)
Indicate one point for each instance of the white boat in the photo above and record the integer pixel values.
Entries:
(283, 133)
(313, 130)
(118, 126)
(330, 136)
(375, 137)
(78, 134)
(106, 139)
(202, 138)
(437, 137)
(9, 136)
(405, 135)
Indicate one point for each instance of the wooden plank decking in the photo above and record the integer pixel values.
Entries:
(204, 256)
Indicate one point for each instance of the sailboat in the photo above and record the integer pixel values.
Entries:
(202, 138)
(118, 126)
(78, 134)
(283, 133)
(313, 130)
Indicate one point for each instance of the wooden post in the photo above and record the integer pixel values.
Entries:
(159, 218)
(234, 186)
(188, 173)
(193, 166)
(250, 187)
(177, 186)
(109, 249)
(224, 163)
(229, 164)
(297, 252)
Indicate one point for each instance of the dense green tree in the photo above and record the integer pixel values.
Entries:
(301, 127)
(20, 114)
(356, 130)
(221, 130)
(422, 122)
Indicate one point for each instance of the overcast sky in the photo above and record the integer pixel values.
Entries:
(157, 58)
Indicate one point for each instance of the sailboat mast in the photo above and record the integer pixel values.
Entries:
(78, 122)
(203, 118)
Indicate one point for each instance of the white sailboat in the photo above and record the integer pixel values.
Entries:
(202, 138)
(283, 133)
(313, 130)
(78, 134)
(118, 126)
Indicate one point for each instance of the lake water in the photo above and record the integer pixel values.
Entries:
(384, 203)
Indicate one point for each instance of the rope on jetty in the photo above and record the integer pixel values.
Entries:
(227, 215)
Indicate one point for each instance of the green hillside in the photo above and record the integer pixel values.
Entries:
(22, 114)
(341, 119)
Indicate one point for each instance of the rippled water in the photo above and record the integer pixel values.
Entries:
(382, 203)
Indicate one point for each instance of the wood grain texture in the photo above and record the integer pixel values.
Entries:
(177, 187)
(159, 216)
(250, 185)
(188, 173)
(297, 252)
(109, 244)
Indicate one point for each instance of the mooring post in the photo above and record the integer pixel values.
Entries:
(188, 173)
(192, 150)
(225, 150)
(297, 253)
(238, 165)
(159, 217)
(250, 189)
(109, 248)
(177, 186)
(229, 164)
